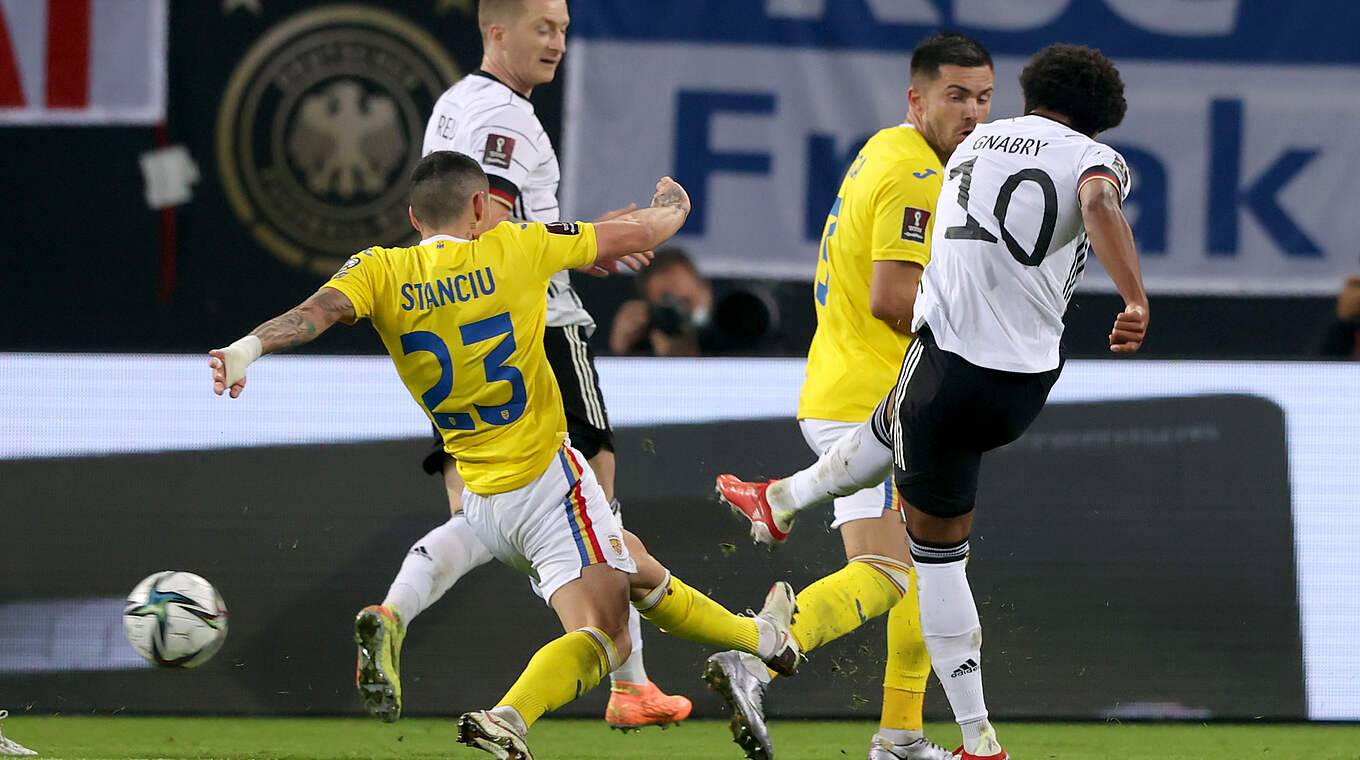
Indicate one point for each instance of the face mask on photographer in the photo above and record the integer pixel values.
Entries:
(678, 298)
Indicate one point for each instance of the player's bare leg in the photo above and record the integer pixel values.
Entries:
(603, 465)
(950, 625)
(634, 700)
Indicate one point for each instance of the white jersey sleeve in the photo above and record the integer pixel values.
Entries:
(483, 118)
(1102, 162)
(501, 137)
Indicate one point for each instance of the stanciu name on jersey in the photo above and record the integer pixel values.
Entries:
(456, 289)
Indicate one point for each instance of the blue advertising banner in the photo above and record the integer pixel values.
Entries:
(1242, 180)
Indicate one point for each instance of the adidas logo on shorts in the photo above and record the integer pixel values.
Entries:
(968, 666)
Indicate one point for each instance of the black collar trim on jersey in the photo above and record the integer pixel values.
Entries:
(497, 80)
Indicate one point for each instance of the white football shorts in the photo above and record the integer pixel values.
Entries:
(869, 503)
(551, 528)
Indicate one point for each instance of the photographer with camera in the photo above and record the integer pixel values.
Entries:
(674, 315)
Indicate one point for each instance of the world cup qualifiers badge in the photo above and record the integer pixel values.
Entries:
(914, 222)
(320, 122)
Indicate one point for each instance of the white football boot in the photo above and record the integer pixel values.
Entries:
(741, 680)
(486, 731)
(9, 746)
(921, 749)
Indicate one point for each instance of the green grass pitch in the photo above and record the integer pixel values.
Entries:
(417, 739)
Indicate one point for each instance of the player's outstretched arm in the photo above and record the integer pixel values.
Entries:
(634, 261)
(294, 327)
(1113, 243)
(642, 230)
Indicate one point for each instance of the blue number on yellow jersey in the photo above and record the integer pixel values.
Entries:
(463, 321)
(854, 357)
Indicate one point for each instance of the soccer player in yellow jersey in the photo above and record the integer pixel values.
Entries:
(462, 315)
(874, 247)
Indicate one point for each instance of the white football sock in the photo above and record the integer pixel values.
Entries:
(855, 462)
(953, 635)
(632, 670)
(433, 565)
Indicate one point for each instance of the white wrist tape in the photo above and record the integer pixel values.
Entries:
(239, 355)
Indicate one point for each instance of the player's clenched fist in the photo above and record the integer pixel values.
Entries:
(1129, 329)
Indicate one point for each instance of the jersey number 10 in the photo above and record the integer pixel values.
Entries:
(971, 230)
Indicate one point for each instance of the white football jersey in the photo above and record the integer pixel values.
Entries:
(482, 117)
(1009, 245)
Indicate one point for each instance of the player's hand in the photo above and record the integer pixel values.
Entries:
(670, 193)
(217, 359)
(632, 261)
(1129, 329)
(615, 214)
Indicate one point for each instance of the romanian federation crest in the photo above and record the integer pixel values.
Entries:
(321, 123)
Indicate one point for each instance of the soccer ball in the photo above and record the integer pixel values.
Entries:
(175, 619)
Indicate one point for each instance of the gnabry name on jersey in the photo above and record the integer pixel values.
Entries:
(1009, 144)
(455, 289)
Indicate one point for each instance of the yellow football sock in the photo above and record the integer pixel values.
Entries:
(564, 669)
(689, 614)
(839, 603)
(902, 709)
(904, 679)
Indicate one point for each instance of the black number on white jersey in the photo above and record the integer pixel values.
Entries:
(1003, 202)
(971, 230)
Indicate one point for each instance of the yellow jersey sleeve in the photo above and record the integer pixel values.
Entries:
(555, 246)
(903, 207)
(361, 278)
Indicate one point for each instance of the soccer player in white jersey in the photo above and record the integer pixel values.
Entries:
(1024, 201)
(875, 243)
(487, 115)
(462, 316)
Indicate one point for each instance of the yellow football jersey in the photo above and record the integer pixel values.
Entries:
(883, 212)
(463, 321)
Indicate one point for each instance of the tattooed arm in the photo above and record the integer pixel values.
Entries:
(305, 321)
(294, 327)
(645, 228)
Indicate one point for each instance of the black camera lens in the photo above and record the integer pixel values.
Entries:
(668, 316)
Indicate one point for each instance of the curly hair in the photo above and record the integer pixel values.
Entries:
(1077, 82)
